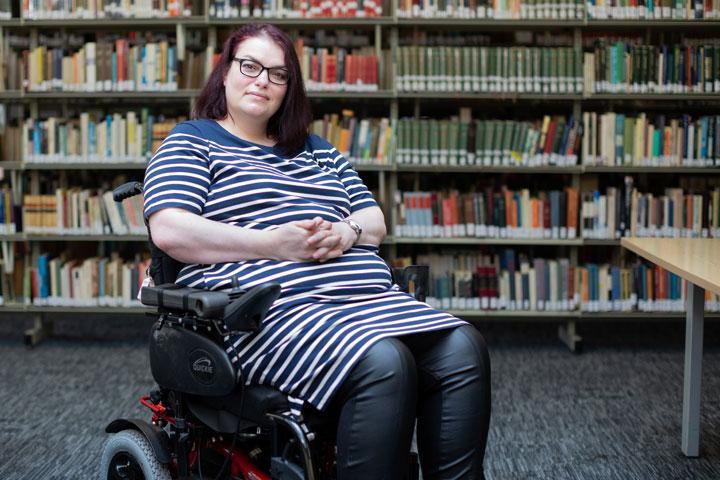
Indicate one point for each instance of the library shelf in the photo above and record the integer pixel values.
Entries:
(663, 97)
(360, 167)
(488, 23)
(600, 242)
(149, 22)
(483, 241)
(641, 169)
(528, 315)
(180, 95)
(311, 22)
(18, 308)
(386, 28)
(550, 97)
(484, 169)
(39, 237)
(591, 23)
(80, 166)
(143, 95)
(644, 316)
(10, 94)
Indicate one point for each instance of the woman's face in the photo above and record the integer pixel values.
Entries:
(258, 97)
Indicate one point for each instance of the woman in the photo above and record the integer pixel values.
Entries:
(243, 195)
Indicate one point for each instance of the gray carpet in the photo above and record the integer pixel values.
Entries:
(613, 412)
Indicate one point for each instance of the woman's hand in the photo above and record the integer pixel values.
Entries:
(340, 238)
(308, 240)
(291, 241)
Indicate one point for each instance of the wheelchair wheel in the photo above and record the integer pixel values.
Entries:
(128, 456)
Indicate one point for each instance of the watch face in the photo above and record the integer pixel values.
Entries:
(355, 226)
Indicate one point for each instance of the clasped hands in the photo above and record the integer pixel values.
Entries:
(316, 239)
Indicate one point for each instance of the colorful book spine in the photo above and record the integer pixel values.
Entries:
(506, 280)
(628, 66)
(339, 69)
(614, 139)
(641, 287)
(264, 9)
(97, 9)
(76, 211)
(127, 64)
(128, 138)
(9, 210)
(546, 70)
(504, 10)
(366, 141)
(625, 211)
(65, 281)
(491, 213)
(654, 10)
(552, 141)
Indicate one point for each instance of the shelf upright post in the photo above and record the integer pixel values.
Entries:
(42, 326)
(378, 53)
(567, 331)
(391, 179)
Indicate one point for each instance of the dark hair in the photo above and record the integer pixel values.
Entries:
(289, 125)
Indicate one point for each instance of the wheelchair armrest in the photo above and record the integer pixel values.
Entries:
(413, 280)
(203, 303)
(248, 311)
(127, 190)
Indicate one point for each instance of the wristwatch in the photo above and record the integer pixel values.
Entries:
(355, 226)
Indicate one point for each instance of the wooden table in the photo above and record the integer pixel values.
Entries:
(697, 260)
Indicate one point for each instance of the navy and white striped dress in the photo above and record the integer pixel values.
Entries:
(328, 314)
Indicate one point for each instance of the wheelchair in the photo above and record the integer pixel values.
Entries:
(205, 423)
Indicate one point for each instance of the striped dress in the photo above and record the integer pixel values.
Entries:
(328, 314)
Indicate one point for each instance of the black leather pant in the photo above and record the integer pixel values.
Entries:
(443, 379)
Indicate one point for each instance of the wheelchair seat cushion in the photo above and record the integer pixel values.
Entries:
(250, 403)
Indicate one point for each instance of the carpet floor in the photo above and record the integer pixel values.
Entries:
(611, 412)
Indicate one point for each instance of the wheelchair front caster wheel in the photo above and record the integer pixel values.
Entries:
(128, 456)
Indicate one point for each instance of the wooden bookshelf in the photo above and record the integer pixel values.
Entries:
(383, 31)
(484, 241)
(100, 23)
(38, 237)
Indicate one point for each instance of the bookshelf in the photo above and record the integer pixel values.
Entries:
(397, 26)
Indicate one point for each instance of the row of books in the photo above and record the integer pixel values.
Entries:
(614, 139)
(364, 141)
(550, 141)
(72, 282)
(488, 214)
(516, 282)
(500, 281)
(77, 211)
(653, 10)
(640, 287)
(122, 65)
(338, 69)
(91, 9)
(627, 212)
(553, 70)
(131, 137)
(608, 139)
(499, 9)
(629, 67)
(295, 8)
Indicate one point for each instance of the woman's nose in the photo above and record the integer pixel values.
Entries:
(263, 78)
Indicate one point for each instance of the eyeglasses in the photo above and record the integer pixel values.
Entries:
(251, 68)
